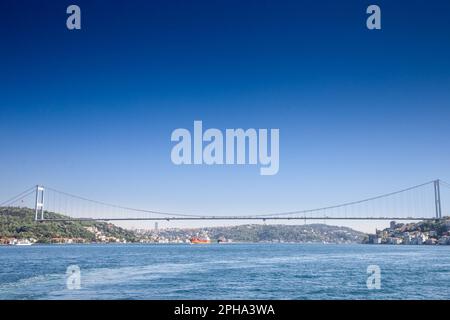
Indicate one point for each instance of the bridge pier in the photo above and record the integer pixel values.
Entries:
(39, 204)
(437, 199)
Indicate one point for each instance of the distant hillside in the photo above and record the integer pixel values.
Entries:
(273, 233)
(19, 223)
(428, 232)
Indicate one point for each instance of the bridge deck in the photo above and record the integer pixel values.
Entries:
(238, 218)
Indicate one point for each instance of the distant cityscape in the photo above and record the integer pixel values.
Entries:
(17, 227)
(422, 233)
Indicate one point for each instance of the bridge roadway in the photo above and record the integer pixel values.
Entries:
(238, 218)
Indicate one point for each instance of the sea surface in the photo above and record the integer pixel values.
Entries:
(223, 271)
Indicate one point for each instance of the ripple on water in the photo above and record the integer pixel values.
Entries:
(239, 271)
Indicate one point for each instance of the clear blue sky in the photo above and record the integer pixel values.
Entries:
(91, 112)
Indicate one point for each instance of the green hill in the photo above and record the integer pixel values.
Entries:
(310, 233)
(290, 233)
(18, 223)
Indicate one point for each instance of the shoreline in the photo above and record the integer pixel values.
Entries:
(220, 244)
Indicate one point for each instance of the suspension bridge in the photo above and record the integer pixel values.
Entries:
(419, 202)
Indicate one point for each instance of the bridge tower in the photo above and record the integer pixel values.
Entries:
(39, 205)
(437, 199)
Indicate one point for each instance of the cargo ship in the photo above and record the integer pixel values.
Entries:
(200, 240)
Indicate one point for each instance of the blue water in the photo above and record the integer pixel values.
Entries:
(231, 271)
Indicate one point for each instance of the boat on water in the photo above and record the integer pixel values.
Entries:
(21, 242)
(200, 240)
